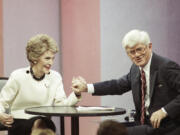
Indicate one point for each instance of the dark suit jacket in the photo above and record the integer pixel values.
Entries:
(164, 87)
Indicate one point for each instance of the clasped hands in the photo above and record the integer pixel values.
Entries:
(79, 85)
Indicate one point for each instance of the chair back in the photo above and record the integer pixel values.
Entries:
(3, 81)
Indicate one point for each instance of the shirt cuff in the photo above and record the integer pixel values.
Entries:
(90, 88)
(164, 110)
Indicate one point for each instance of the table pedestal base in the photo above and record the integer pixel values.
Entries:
(74, 125)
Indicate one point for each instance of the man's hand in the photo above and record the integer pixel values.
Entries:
(79, 85)
(6, 119)
(156, 118)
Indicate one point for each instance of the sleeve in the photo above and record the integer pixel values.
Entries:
(8, 93)
(61, 99)
(90, 88)
(172, 76)
(113, 87)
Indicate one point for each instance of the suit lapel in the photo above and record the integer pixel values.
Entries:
(153, 74)
(136, 87)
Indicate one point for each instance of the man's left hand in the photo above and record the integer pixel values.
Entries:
(156, 118)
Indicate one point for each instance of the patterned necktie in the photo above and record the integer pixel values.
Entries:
(143, 90)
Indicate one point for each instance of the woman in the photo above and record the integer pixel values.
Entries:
(36, 85)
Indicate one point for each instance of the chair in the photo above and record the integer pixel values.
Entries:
(3, 81)
(129, 119)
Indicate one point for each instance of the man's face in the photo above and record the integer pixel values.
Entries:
(139, 54)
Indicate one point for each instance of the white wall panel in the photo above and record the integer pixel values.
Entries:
(23, 19)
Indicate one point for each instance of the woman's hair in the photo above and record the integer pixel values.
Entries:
(111, 127)
(39, 44)
(135, 37)
(43, 132)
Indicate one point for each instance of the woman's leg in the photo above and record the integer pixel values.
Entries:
(18, 127)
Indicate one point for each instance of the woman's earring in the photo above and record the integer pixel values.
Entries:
(35, 62)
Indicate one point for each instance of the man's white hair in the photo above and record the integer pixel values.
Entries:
(135, 37)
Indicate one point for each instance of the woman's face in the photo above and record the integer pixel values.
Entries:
(45, 62)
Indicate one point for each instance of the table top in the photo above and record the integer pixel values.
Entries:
(72, 111)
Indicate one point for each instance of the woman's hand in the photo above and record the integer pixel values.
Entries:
(6, 119)
(79, 85)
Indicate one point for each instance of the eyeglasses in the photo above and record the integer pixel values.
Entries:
(139, 50)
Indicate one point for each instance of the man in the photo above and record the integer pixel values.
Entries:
(155, 85)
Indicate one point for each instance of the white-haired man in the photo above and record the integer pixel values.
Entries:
(155, 85)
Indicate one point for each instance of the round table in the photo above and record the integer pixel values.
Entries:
(73, 112)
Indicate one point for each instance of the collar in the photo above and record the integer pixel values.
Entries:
(36, 78)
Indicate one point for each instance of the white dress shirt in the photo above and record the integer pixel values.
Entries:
(146, 69)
